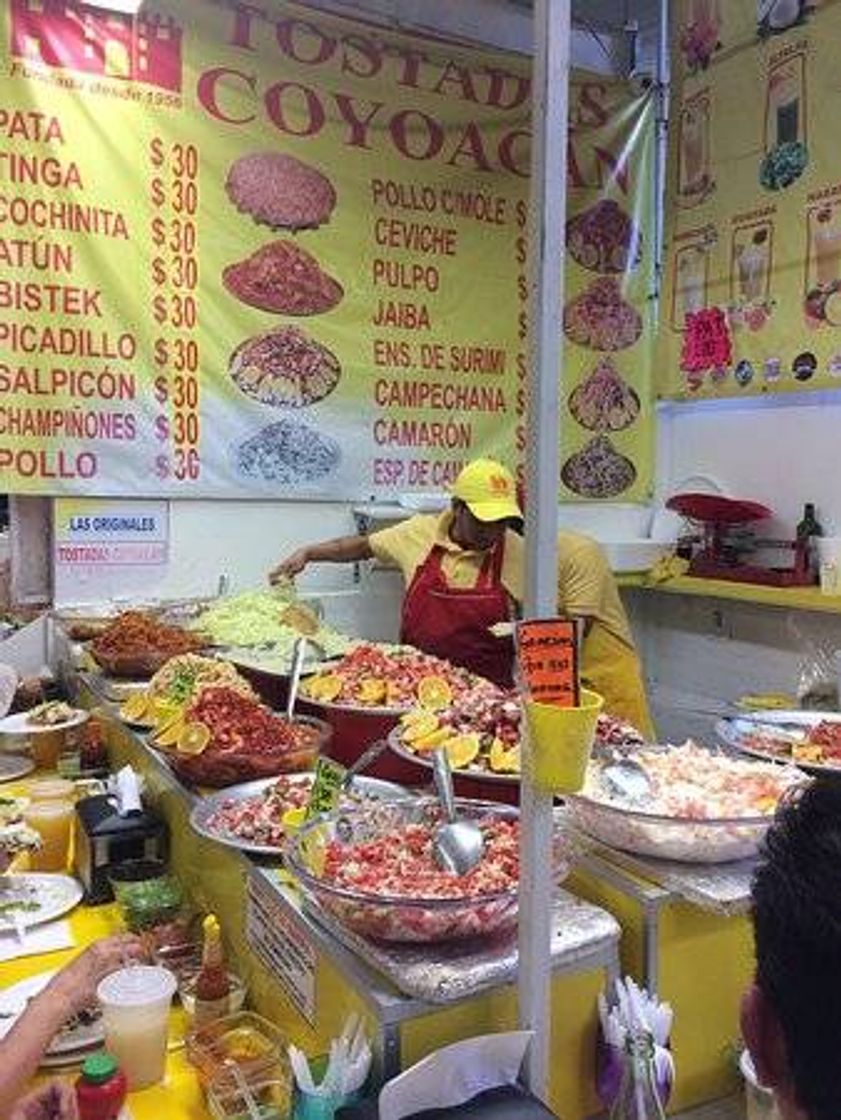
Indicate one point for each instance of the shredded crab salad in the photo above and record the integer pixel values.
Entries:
(694, 783)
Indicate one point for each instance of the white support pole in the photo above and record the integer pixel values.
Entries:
(548, 217)
(661, 151)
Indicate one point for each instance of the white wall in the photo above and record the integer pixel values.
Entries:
(702, 654)
(245, 540)
(780, 451)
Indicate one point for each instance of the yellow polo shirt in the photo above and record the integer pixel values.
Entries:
(586, 587)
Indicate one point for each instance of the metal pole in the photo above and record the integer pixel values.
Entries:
(548, 215)
(661, 150)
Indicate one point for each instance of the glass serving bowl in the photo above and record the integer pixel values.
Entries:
(219, 769)
(410, 917)
(684, 839)
(187, 993)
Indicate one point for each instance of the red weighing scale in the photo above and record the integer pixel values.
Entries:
(720, 543)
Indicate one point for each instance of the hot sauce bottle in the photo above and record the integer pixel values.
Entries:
(212, 987)
(101, 1089)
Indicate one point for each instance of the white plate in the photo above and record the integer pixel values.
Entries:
(15, 766)
(66, 1045)
(55, 894)
(18, 724)
(735, 731)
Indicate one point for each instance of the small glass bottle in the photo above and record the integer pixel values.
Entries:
(808, 529)
(638, 1098)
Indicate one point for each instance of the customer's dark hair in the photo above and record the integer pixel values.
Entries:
(797, 922)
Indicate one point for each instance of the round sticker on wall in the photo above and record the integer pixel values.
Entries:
(834, 366)
(743, 373)
(804, 365)
(773, 369)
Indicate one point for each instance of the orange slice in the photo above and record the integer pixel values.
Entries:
(434, 693)
(393, 694)
(372, 690)
(326, 687)
(194, 738)
(433, 740)
(419, 728)
(164, 712)
(462, 749)
(135, 708)
(504, 760)
(169, 735)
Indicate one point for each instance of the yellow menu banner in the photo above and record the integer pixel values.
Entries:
(752, 302)
(268, 252)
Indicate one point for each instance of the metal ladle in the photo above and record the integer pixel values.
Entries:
(626, 779)
(457, 845)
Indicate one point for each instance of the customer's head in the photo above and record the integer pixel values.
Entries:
(791, 1017)
(484, 504)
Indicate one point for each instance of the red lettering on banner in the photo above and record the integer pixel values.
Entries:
(358, 125)
(288, 41)
(20, 124)
(368, 52)
(453, 74)
(310, 109)
(470, 146)
(207, 92)
(406, 316)
(402, 124)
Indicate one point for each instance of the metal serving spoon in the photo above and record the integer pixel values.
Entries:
(457, 845)
(298, 656)
(626, 779)
(364, 761)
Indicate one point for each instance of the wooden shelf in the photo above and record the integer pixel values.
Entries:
(791, 598)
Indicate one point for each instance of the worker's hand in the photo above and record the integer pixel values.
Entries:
(54, 1101)
(76, 984)
(290, 567)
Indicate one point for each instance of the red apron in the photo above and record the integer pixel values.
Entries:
(453, 623)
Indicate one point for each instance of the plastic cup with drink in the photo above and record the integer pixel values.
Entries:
(135, 1005)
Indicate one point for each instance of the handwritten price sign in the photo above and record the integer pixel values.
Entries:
(547, 656)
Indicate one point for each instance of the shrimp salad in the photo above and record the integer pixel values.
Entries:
(704, 807)
(694, 783)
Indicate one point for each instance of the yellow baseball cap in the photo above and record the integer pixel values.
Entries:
(488, 490)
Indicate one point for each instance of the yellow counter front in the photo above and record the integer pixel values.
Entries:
(302, 976)
(686, 935)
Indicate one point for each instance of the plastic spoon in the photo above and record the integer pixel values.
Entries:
(457, 845)
(254, 1110)
(299, 653)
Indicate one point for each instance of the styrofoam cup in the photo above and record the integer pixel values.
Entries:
(135, 1015)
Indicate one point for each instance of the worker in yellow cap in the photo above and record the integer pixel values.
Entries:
(463, 571)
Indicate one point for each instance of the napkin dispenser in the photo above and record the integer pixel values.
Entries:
(103, 838)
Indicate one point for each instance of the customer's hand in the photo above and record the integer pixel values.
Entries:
(290, 567)
(54, 1101)
(77, 983)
